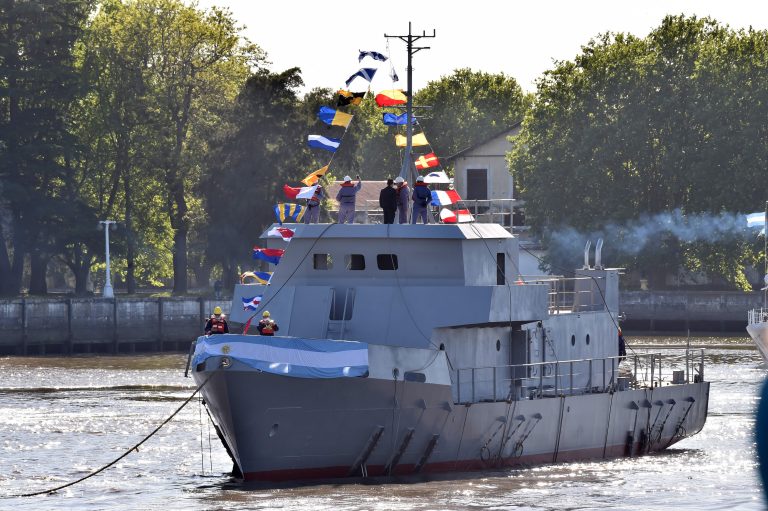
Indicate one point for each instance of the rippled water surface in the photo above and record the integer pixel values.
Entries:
(61, 418)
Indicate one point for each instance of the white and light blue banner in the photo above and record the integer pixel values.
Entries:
(288, 356)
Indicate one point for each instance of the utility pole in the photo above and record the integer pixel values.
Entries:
(107, 225)
(408, 172)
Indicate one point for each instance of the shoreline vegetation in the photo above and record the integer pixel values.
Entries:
(159, 115)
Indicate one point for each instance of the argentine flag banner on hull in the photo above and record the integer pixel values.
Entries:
(288, 356)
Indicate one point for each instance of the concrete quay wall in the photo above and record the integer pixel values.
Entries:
(38, 326)
(723, 312)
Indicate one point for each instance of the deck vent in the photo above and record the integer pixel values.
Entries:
(599, 254)
(586, 255)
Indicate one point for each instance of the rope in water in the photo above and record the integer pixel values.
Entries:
(126, 453)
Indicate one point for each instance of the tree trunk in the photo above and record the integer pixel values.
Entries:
(81, 268)
(180, 261)
(130, 277)
(5, 265)
(229, 276)
(81, 280)
(181, 229)
(19, 251)
(39, 269)
(203, 274)
(10, 282)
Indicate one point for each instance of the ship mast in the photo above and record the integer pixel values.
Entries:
(407, 171)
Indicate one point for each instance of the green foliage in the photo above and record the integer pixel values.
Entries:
(468, 107)
(250, 164)
(38, 83)
(644, 126)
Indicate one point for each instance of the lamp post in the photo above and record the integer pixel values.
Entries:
(107, 225)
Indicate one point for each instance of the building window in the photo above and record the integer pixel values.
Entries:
(477, 184)
(322, 261)
(386, 261)
(354, 261)
(500, 269)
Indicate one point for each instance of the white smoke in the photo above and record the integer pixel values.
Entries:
(648, 230)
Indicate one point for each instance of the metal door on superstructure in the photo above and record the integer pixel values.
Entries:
(340, 312)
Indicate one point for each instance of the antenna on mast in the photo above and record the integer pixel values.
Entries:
(408, 171)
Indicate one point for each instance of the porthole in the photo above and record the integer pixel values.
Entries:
(386, 261)
(354, 261)
(322, 261)
(587, 339)
(573, 340)
(498, 344)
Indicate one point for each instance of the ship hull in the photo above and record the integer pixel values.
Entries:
(281, 428)
(759, 334)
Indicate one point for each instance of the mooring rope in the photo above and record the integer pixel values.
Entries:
(126, 453)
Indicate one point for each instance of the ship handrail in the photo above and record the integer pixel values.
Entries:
(564, 296)
(613, 373)
(757, 316)
(484, 211)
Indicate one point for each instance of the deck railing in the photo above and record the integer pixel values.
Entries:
(756, 316)
(498, 211)
(576, 377)
(567, 295)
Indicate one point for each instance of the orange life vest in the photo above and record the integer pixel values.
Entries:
(267, 327)
(217, 325)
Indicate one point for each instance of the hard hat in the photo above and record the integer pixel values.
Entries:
(265, 314)
(419, 179)
(347, 179)
(399, 179)
(217, 310)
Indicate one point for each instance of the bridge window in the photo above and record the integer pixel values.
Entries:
(322, 261)
(354, 261)
(386, 261)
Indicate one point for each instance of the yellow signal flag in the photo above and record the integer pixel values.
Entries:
(315, 176)
(417, 140)
(341, 119)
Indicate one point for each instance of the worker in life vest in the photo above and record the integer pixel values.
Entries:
(421, 199)
(217, 323)
(346, 198)
(267, 326)
(312, 215)
(403, 198)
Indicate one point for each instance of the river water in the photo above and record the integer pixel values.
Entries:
(61, 418)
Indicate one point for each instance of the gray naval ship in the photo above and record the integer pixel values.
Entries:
(407, 349)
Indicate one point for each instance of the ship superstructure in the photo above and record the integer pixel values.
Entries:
(409, 349)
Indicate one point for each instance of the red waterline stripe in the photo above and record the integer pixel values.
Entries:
(299, 474)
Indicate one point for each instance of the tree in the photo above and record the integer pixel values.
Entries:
(116, 125)
(469, 106)
(637, 127)
(265, 149)
(38, 83)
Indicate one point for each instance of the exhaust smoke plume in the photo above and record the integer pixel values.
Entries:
(646, 231)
